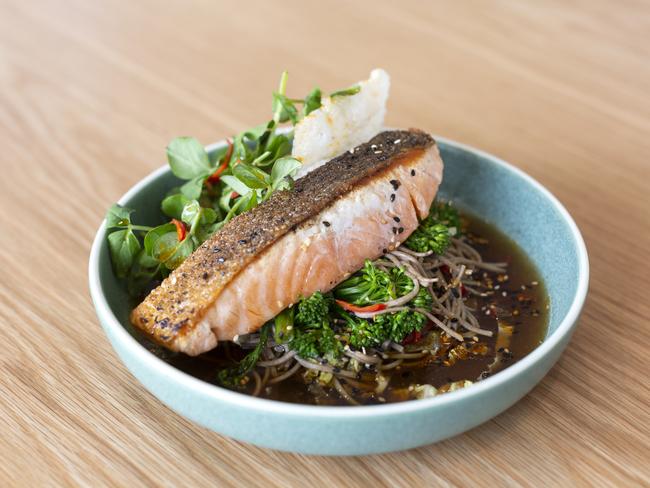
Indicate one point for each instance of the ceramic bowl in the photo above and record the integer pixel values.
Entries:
(485, 185)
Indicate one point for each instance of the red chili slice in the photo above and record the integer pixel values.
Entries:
(181, 230)
(214, 177)
(413, 337)
(355, 308)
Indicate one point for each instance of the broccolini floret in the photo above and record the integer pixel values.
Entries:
(388, 326)
(312, 343)
(366, 286)
(311, 335)
(372, 285)
(398, 325)
(435, 231)
(313, 311)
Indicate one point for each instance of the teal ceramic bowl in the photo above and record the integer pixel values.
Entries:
(524, 210)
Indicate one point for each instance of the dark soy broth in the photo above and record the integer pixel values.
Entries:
(517, 301)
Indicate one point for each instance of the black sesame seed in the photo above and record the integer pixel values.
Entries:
(395, 184)
(400, 230)
(392, 197)
(412, 172)
(396, 219)
(394, 230)
(215, 249)
(243, 241)
(205, 276)
(326, 223)
(384, 251)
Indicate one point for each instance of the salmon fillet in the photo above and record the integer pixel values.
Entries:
(355, 207)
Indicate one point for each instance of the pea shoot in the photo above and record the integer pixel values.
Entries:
(214, 188)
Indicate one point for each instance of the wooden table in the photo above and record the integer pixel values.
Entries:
(91, 92)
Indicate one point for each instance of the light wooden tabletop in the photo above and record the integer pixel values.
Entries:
(91, 92)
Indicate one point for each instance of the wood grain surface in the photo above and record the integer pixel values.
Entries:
(91, 92)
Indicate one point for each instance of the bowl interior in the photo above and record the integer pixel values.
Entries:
(508, 198)
(492, 190)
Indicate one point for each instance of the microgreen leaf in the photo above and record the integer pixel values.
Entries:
(118, 216)
(145, 269)
(124, 246)
(284, 109)
(192, 188)
(181, 252)
(156, 233)
(252, 177)
(165, 245)
(208, 216)
(283, 168)
(278, 147)
(250, 201)
(258, 131)
(172, 206)
(144, 260)
(187, 158)
(353, 90)
(312, 101)
(191, 212)
(235, 184)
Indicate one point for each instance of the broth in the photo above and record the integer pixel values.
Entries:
(519, 304)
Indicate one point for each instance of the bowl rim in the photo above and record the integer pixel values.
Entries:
(217, 393)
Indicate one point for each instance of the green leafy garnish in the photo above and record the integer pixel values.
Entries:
(233, 377)
(187, 158)
(312, 101)
(124, 246)
(353, 90)
(173, 205)
(214, 189)
(118, 216)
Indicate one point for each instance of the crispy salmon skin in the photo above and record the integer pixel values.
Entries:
(310, 238)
